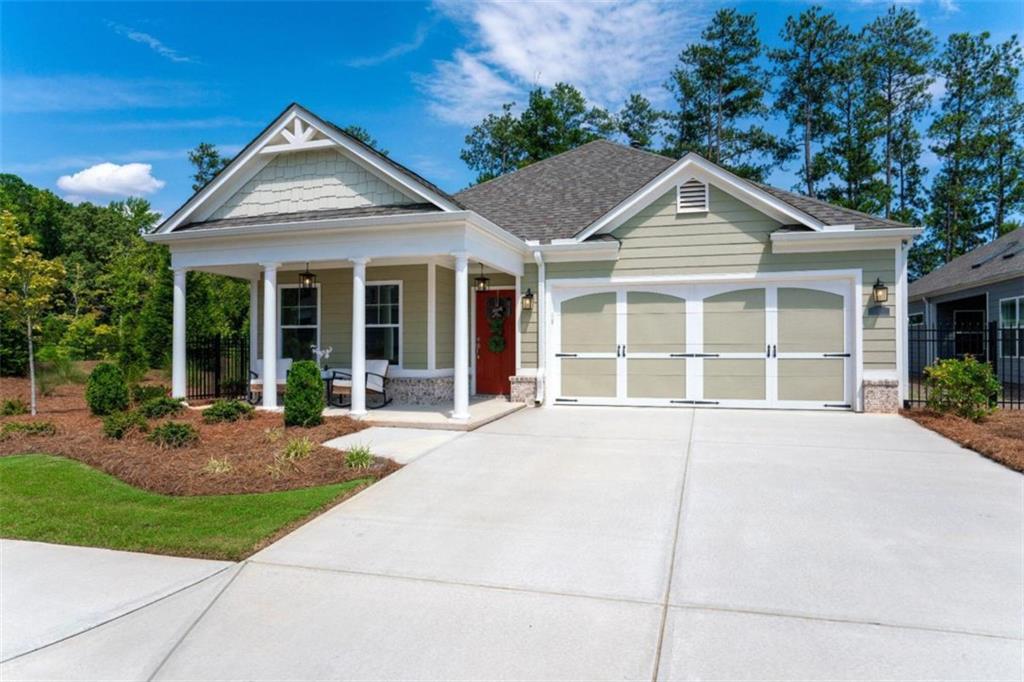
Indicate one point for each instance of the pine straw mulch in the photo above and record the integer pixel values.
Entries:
(248, 445)
(1000, 436)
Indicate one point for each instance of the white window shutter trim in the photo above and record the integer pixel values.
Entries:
(692, 197)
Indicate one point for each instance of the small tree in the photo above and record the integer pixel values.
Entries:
(27, 284)
(964, 387)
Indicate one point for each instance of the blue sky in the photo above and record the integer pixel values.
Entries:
(102, 100)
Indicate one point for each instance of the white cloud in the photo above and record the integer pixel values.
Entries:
(150, 41)
(420, 37)
(111, 179)
(607, 50)
(93, 93)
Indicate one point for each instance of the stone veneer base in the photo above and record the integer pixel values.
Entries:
(882, 396)
(421, 391)
(524, 389)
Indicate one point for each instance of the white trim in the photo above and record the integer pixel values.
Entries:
(518, 305)
(431, 315)
(842, 240)
(241, 166)
(281, 326)
(692, 165)
(728, 277)
(401, 314)
(543, 306)
(902, 320)
(881, 375)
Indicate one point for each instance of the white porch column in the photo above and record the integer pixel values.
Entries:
(254, 322)
(270, 335)
(358, 407)
(461, 406)
(178, 381)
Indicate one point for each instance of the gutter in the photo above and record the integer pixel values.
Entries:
(883, 233)
(542, 334)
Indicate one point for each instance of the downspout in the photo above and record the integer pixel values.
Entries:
(542, 331)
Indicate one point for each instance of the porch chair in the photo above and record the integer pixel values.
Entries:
(376, 384)
(255, 393)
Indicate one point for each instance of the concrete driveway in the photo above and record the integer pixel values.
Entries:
(590, 543)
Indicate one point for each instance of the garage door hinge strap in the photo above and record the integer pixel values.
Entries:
(565, 355)
(835, 355)
(844, 406)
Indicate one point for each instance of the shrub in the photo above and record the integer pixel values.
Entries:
(297, 449)
(27, 428)
(174, 435)
(359, 457)
(119, 424)
(13, 406)
(56, 369)
(143, 392)
(304, 396)
(106, 391)
(154, 408)
(964, 387)
(227, 411)
(217, 466)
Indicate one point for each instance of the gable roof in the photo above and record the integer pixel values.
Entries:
(998, 260)
(357, 148)
(560, 197)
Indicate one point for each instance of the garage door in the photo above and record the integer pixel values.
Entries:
(717, 345)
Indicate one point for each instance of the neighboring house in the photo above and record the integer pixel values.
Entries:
(956, 303)
(623, 277)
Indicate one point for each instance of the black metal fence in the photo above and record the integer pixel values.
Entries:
(217, 366)
(1001, 347)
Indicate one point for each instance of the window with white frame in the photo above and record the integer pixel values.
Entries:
(300, 321)
(1011, 324)
(384, 322)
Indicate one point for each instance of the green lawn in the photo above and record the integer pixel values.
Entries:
(52, 499)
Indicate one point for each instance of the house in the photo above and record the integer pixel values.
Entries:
(951, 307)
(605, 275)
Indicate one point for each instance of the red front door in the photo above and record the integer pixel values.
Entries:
(495, 341)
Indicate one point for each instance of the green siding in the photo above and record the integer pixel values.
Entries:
(444, 320)
(731, 238)
(336, 311)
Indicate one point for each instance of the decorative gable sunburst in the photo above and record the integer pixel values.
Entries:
(692, 197)
(301, 137)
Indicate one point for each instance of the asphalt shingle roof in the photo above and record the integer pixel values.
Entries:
(999, 259)
(559, 197)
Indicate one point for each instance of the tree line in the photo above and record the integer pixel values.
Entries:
(858, 112)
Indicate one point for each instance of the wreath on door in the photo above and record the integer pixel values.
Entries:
(498, 310)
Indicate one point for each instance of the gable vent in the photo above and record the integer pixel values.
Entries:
(692, 197)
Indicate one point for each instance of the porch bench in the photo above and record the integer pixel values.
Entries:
(255, 392)
(376, 384)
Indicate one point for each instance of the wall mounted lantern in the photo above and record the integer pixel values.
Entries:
(528, 300)
(307, 280)
(879, 292)
(481, 283)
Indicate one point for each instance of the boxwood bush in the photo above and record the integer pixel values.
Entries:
(119, 424)
(304, 395)
(154, 408)
(106, 391)
(227, 411)
(964, 387)
(174, 435)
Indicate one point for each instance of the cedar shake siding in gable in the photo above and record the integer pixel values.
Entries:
(310, 181)
(731, 238)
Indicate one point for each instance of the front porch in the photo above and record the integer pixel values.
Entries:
(418, 314)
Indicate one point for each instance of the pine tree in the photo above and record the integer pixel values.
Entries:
(207, 161)
(807, 65)
(1003, 160)
(898, 50)
(639, 121)
(851, 150)
(719, 86)
(911, 200)
(956, 219)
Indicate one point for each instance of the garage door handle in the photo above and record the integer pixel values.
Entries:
(835, 355)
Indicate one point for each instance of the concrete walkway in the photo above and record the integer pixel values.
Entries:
(590, 543)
